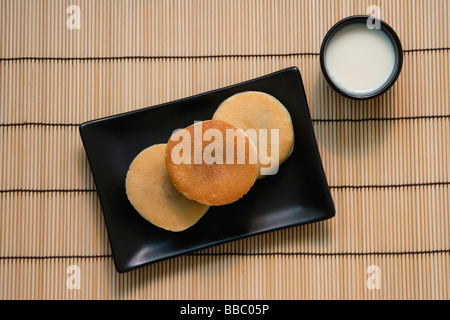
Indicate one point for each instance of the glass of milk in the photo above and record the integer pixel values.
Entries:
(360, 57)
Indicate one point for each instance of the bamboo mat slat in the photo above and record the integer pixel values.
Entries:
(71, 92)
(387, 160)
(407, 219)
(253, 277)
(203, 28)
(372, 153)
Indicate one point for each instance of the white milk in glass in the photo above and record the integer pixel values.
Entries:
(359, 60)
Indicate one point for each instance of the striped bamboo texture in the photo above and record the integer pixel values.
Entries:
(387, 160)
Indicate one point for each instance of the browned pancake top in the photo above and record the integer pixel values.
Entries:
(210, 177)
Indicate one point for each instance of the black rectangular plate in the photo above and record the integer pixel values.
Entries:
(296, 195)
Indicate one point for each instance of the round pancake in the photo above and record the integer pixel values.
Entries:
(209, 166)
(258, 110)
(153, 195)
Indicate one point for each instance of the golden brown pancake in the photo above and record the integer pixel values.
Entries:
(258, 110)
(153, 195)
(204, 173)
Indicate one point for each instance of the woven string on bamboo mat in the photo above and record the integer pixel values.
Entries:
(387, 160)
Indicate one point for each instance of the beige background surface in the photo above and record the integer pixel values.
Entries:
(387, 160)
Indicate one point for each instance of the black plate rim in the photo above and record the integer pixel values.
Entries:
(325, 216)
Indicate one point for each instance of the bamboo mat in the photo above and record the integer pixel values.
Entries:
(387, 160)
